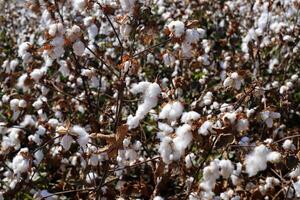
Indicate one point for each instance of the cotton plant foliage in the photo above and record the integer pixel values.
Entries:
(134, 99)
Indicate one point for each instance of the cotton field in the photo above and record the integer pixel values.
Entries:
(149, 99)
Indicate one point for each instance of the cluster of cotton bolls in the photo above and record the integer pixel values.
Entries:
(257, 160)
(191, 36)
(215, 170)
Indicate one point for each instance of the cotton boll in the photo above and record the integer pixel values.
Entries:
(171, 111)
(188, 117)
(205, 128)
(268, 116)
(83, 136)
(235, 174)
(158, 198)
(14, 104)
(92, 31)
(21, 82)
(79, 4)
(151, 92)
(165, 128)
(37, 74)
(165, 149)
(23, 52)
(66, 142)
(274, 157)
(53, 122)
(39, 155)
(35, 138)
(28, 121)
(12, 140)
(228, 82)
(22, 103)
(20, 164)
(78, 48)
(90, 177)
(226, 168)
(288, 145)
(183, 139)
(295, 173)
(257, 160)
(190, 160)
(177, 27)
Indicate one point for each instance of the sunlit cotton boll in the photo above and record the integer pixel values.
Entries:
(20, 164)
(183, 138)
(257, 160)
(171, 111)
(205, 128)
(177, 27)
(150, 91)
(188, 117)
(82, 135)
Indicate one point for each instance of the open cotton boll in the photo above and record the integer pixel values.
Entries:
(165, 128)
(56, 29)
(274, 157)
(268, 117)
(190, 160)
(37, 74)
(20, 164)
(226, 168)
(257, 160)
(92, 31)
(66, 142)
(39, 155)
(82, 135)
(296, 186)
(165, 149)
(21, 82)
(206, 128)
(236, 173)
(288, 145)
(188, 117)
(171, 111)
(231, 116)
(79, 4)
(177, 27)
(150, 91)
(53, 122)
(12, 140)
(23, 52)
(90, 177)
(158, 198)
(183, 138)
(28, 121)
(78, 48)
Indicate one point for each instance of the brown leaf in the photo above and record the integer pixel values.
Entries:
(115, 141)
